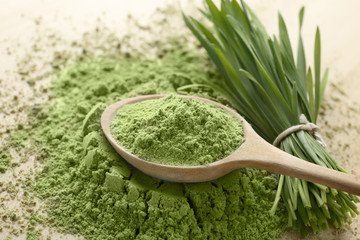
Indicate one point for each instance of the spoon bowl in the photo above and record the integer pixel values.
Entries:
(254, 152)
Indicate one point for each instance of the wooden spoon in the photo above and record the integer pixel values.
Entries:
(254, 152)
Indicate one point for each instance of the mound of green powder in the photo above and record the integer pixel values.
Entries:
(90, 190)
(175, 130)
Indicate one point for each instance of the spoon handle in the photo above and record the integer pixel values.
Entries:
(272, 159)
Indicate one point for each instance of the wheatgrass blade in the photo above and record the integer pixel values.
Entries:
(317, 52)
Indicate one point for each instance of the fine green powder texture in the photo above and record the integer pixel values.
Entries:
(16, 141)
(90, 190)
(4, 160)
(176, 130)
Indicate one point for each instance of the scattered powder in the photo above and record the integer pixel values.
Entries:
(175, 130)
(91, 190)
(15, 141)
(5, 159)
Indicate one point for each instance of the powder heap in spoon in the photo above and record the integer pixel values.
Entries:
(176, 130)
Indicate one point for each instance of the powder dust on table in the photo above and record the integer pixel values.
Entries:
(5, 159)
(176, 130)
(90, 190)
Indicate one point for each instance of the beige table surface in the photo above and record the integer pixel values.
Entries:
(339, 22)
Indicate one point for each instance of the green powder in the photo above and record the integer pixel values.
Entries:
(176, 130)
(91, 190)
(5, 159)
(15, 141)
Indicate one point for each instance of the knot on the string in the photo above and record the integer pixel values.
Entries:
(305, 125)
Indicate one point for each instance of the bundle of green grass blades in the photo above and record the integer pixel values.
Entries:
(264, 83)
